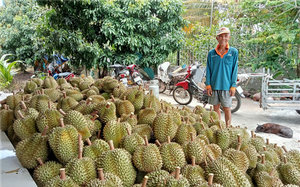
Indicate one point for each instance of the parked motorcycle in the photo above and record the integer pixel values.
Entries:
(167, 79)
(187, 89)
(127, 73)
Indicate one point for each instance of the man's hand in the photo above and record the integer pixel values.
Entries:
(231, 93)
(209, 91)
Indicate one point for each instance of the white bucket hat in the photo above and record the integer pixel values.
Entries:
(223, 30)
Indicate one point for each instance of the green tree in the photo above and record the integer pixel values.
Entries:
(18, 20)
(123, 30)
(6, 72)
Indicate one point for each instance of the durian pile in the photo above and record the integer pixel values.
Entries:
(87, 132)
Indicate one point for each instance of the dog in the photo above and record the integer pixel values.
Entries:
(274, 128)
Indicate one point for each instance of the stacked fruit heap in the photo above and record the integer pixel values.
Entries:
(99, 133)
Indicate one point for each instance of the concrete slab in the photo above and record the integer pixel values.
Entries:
(250, 114)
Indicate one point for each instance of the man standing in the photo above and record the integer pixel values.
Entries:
(221, 74)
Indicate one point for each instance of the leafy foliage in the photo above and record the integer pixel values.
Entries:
(124, 31)
(6, 72)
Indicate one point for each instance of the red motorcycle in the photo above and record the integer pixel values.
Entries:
(187, 89)
(130, 73)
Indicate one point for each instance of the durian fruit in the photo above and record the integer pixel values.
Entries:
(49, 82)
(106, 95)
(289, 173)
(194, 148)
(105, 180)
(144, 184)
(204, 138)
(199, 110)
(24, 127)
(30, 149)
(118, 90)
(125, 107)
(157, 178)
(208, 114)
(222, 138)
(263, 166)
(45, 171)
(49, 117)
(278, 150)
(154, 100)
(226, 173)
(164, 126)
(81, 169)
(115, 131)
(63, 141)
(270, 156)
(96, 99)
(53, 94)
(184, 132)
(218, 123)
(213, 150)
(209, 183)
(237, 157)
(66, 103)
(82, 106)
(95, 148)
(293, 156)
(172, 155)
(83, 85)
(30, 87)
(6, 118)
(75, 81)
(13, 100)
(93, 124)
(61, 81)
(264, 179)
(136, 97)
(118, 162)
(131, 141)
(26, 111)
(61, 181)
(38, 81)
(147, 157)
(12, 136)
(76, 119)
(177, 180)
(176, 116)
(74, 94)
(200, 125)
(143, 129)
(40, 102)
(65, 86)
(110, 84)
(257, 142)
(147, 115)
(193, 173)
(208, 133)
(99, 84)
(130, 118)
(106, 111)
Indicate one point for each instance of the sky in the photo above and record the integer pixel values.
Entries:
(1, 2)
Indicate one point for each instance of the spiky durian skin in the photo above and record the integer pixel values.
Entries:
(76, 119)
(30, 87)
(214, 150)
(25, 128)
(223, 138)
(155, 103)
(53, 94)
(156, 178)
(293, 156)
(30, 149)
(264, 179)
(146, 116)
(96, 149)
(131, 142)
(58, 182)
(39, 102)
(172, 156)
(164, 126)
(115, 131)
(226, 173)
(110, 181)
(204, 138)
(67, 104)
(49, 82)
(106, 114)
(209, 134)
(118, 162)
(142, 130)
(38, 81)
(196, 149)
(6, 119)
(132, 120)
(199, 126)
(81, 170)
(172, 182)
(125, 107)
(270, 156)
(64, 143)
(194, 174)
(13, 100)
(238, 158)
(206, 116)
(147, 158)
(183, 133)
(61, 81)
(43, 173)
(257, 143)
(29, 111)
(289, 173)
(50, 118)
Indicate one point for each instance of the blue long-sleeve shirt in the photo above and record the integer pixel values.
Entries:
(221, 73)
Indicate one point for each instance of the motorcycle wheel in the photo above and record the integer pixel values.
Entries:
(236, 103)
(182, 96)
(298, 111)
(162, 86)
